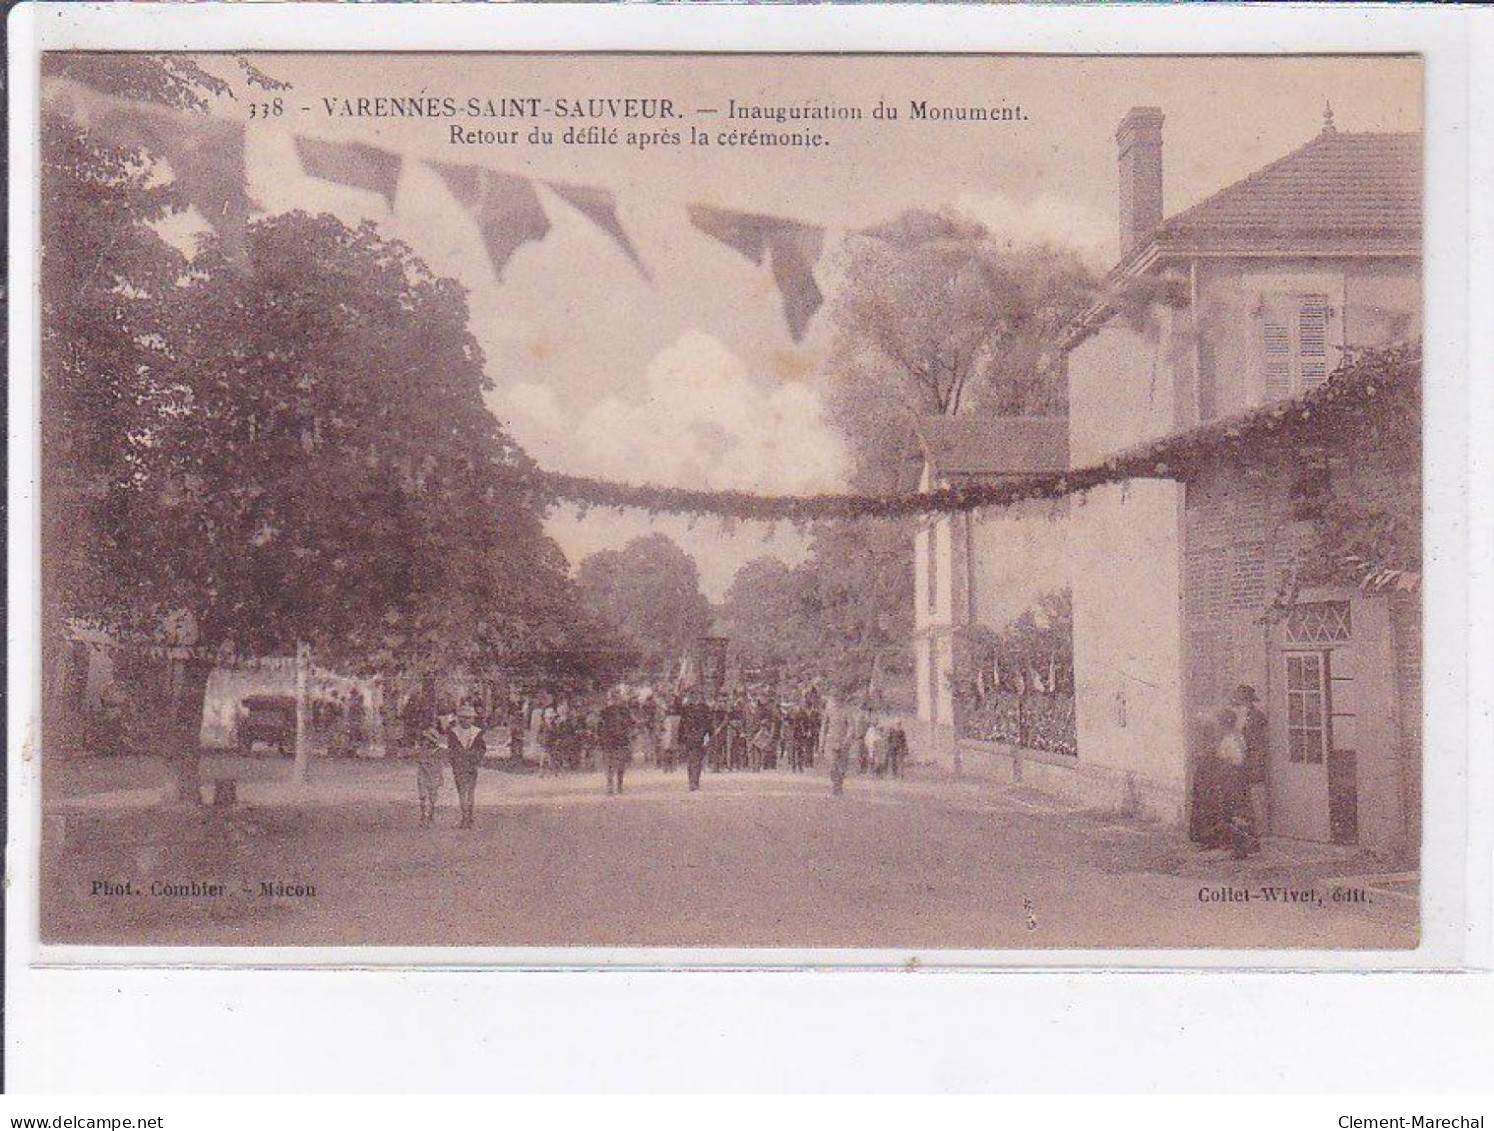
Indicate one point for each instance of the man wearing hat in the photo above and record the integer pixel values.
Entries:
(1253, 731)
(615, 734)
(695, 731)
(467, 748)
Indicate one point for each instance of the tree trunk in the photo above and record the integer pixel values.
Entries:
(188, 697)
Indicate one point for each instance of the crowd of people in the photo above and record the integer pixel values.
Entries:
(743, 730)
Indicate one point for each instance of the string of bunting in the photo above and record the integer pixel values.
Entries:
(1386, 382)
(206, 154)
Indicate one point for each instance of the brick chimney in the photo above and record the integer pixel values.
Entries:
(1138, 141)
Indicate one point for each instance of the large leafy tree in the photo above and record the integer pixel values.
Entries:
(105, 275)
(316, 464)
(938, 316)
(648, 592)
(839, 619)
(277, 444)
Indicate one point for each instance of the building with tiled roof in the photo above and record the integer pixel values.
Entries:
(1248, 298)
(979, 570)
(1333, 195)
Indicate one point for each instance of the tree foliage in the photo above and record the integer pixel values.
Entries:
(287, 446)
(936, 317)
(106, 280)
(842, 618)
(318, 463)
(649, 593)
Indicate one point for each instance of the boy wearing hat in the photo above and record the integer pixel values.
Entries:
(430, 745)
(466, 746)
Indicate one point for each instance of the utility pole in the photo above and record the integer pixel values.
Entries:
(303, 728)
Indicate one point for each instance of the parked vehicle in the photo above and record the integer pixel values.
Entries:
(269, 719)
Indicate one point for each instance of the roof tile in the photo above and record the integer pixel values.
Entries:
(1338, 184)
(996, 446)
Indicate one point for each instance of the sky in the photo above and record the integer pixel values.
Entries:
(689, 377)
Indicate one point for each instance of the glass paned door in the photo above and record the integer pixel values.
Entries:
(1299, 769)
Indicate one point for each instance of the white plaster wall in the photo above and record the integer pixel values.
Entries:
(922, 659)
(939, 614)
(1373, 302)
(944, 667)
(921, 616)
(1121, 392)
(1132, 383)
(943, 557)
(1375, 737)
(1128, 632)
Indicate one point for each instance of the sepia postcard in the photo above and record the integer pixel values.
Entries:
(572, 503)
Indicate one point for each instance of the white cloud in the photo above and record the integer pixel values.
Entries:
(1045, 219)
(697, 418)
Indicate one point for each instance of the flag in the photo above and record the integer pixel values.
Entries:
(353, 164)
(792, 248)
(205, 153)
(505, 208)
(796, 249)
(599, 206)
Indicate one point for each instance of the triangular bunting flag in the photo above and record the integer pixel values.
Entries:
(794, 249)
(740, 231)
(600, 207)
(505, 208)
(353, 164)
(206, 153)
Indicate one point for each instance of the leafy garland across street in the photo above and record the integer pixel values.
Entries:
(1382, 385)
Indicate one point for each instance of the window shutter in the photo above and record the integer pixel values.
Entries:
(1277, 347)
(1312, 339)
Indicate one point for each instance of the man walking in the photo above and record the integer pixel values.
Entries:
(430, 745)
(840, 728)
(897, 747)
(695, 727)
(669, 747)
(614, 734)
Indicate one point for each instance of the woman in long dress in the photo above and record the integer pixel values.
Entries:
(1234, 788)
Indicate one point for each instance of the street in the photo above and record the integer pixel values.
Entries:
(752, 860)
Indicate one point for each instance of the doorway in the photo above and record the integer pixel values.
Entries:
(1313, 758)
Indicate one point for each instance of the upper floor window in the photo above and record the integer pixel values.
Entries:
(1296, 335)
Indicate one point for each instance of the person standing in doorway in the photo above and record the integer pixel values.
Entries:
(1234, 800)
(1253, 731)
(465, 744)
